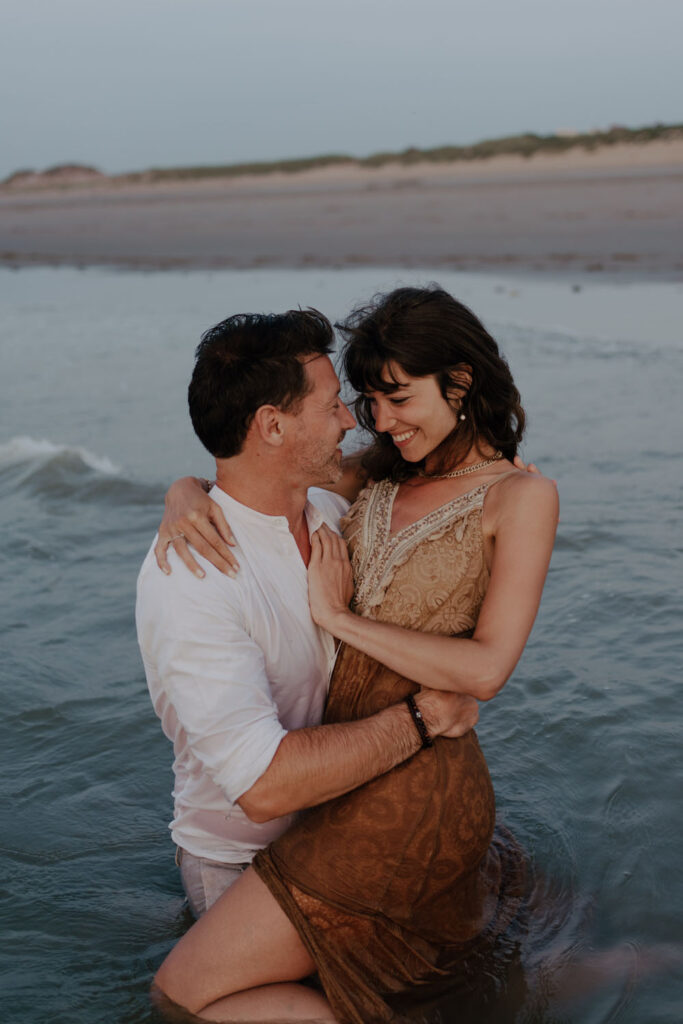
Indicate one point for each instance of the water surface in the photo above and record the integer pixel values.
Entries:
(583, 744)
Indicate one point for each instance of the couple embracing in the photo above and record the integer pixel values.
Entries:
(410, 579)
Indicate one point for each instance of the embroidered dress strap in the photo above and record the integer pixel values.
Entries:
(498, 479)
(468, 500)
(371, 534)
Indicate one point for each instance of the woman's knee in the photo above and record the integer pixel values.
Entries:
(243, 941)
(169, 1002)
(171, 1012)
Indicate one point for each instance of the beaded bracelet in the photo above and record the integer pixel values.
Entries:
(416, 716)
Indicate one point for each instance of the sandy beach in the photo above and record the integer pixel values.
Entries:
(617, 210)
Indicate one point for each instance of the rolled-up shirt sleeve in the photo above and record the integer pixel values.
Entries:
(214, 676)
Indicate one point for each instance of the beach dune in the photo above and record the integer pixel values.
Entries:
(618, 209)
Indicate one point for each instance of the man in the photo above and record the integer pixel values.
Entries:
(236, 668)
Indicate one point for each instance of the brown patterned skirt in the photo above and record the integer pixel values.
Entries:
(393, 885)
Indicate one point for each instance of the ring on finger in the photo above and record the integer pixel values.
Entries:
(176, 537)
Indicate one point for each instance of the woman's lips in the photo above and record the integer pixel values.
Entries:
(403, 438)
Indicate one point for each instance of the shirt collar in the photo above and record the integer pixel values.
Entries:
(314, 517)
(247, 514)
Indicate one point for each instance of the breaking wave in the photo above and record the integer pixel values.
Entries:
(31, 452)
(45, 470)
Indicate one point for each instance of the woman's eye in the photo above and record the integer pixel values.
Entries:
(398, 401)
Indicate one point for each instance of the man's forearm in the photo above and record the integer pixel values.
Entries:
(315, 765)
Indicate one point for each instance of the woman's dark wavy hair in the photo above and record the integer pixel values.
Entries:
(425, 331)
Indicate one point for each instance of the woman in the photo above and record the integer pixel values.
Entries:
(398, 884)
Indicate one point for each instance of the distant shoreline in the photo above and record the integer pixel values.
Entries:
(614, 209)
(525, 147)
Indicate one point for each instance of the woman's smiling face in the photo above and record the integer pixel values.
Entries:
(416, 414)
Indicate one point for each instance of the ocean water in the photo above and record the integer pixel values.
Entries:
(584, 742)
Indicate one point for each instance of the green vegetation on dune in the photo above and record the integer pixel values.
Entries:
(526, 145)
(294, 166)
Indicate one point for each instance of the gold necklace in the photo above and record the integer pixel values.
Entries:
(465, 470)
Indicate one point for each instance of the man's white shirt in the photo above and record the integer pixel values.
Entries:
(232, 665)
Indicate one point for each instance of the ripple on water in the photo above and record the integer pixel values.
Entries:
(583, 743)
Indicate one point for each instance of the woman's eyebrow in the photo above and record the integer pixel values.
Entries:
(384, 391)
(395, 385)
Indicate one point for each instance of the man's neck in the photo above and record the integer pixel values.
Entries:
(264, 489)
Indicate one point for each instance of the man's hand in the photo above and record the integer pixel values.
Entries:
(531, 468)
(447, 714)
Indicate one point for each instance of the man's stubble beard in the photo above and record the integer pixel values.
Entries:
(317, 465)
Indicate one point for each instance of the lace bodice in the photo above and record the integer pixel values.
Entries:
(431, 575)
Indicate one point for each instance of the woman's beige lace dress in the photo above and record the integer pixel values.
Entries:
(393, 885)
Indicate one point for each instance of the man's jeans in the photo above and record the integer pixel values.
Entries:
(205, 880)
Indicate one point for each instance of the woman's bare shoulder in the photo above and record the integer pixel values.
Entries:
(522, 494)
(522, 481)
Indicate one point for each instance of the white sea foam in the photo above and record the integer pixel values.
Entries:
(30, 449)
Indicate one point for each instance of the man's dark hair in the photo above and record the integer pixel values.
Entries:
(247, 361)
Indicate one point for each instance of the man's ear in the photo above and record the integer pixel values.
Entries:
(268, 423)
(461, 380)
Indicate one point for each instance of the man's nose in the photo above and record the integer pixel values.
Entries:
(348, 420)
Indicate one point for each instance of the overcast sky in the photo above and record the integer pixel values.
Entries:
(128, 84)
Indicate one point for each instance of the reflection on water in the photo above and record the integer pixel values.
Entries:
(583, 744)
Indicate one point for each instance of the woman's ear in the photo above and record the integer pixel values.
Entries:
(461, 381)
